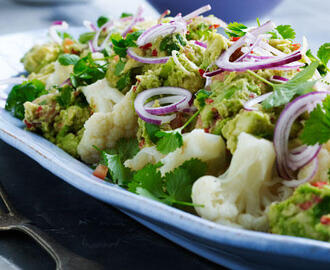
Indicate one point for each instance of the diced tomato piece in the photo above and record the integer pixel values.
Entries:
(101, 171)
(141, 143)
(209, 100)
(154, 52)
(134, 88)
(295, 46)
(146, 46)
(325, 220)
(116, 58)
(319, 184)
(214, 26)
(28, 124)
(39, 109)
(207, 130)
(201, 72)
(234, 38)
(306, 205)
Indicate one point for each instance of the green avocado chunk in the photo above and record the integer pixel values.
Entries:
(305, 214)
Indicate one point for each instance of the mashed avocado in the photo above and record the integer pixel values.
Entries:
(62, 125)
(253, 122)
(306, 213)
(39, 56)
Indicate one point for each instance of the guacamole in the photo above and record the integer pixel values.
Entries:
(305, 214)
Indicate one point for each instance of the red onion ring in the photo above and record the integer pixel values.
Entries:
(295, 183)
(288, 160)
(201, 44)
(174, 107)
(95, 46)
(135, 20)
(278, 79)
(57, 26)
(139, 103)
(146, 60)
(90, 25)
(197, 12)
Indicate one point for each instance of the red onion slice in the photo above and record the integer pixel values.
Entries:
(295, 183)
(57, 26)
(135, 20)
(174, 107)
(146, 60)
(278, 79)
(201, 44)
(197, 12)
(139, 103)
(248, 106)
(288, 161)
(106, 27)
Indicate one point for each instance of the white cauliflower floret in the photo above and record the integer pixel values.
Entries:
(241, 195)
(104, 129)
(60, 74)
(323, 168)
(101, 96)
(196, 144)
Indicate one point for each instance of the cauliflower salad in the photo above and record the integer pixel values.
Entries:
(222, 120)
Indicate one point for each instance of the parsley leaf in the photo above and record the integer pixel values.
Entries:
(298, 85)
(68, 59)
(124, 15)
(85, 37)
(125, 148)
(169, 141)
(324, 53)
(286, 31)
(317, 127)
(201, 95)
(64, 99)
(86, 71)
(236, 29)
(21, 93)
(102, 20)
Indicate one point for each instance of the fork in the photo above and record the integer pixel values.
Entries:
(65, 259)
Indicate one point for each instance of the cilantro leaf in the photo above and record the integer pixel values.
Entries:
(125, 148)
(286, 31)
(149, 178)
(68, 59)
(85, 37)
(236, 29)
(124, 81)
(119, 67)
(324, 53)
(201, 95)
(121, 44)
(21, 93)
(151, 130)
(169, 141)
(172, 43)
(317, 127)
(86, 71)
(125, 14)
(114, 158)
(102, 20)
(174, 188)
(119, 173)
(64, 99)
(298, 85)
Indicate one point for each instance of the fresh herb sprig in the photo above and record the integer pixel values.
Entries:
(21, 93)
(120, 44)
(317, 126)
(323, 55)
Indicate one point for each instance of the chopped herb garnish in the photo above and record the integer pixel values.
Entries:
(102, 20)
(85, 37)
(68, 59)
(236, 29)
(21, 93)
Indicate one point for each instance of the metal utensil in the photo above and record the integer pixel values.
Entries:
(65, 259)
